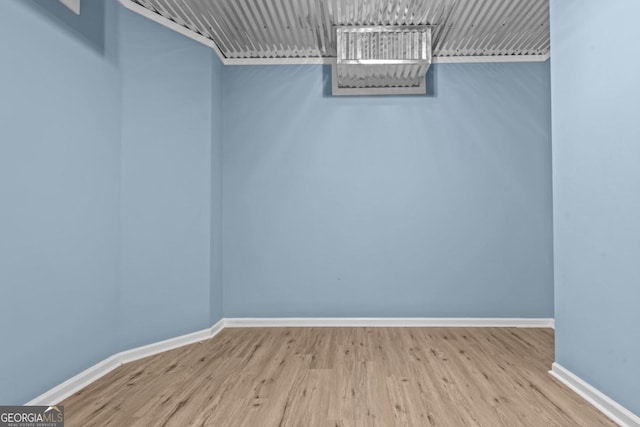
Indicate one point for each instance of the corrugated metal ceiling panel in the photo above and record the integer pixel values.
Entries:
(305, 28)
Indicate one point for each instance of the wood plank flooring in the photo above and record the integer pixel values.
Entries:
(341, 377)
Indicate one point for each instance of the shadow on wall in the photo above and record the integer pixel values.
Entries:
(88, 27)
(432, 75)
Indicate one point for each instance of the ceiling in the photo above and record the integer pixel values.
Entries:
(269, 31)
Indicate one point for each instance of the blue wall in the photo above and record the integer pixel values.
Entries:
(596, 184)
(116, 206)
(166, 182)
(215, 302)
(388, 206)
(110, 181)
(59, 191)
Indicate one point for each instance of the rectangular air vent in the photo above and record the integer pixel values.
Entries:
(382, 60)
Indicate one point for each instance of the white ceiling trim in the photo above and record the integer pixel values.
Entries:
(73, 5)
(135, 7)
(495, 58)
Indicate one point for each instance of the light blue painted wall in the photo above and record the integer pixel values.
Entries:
(388, 206)
(166, 275)
(596, 184)
(332, 206)
(216, 296)
(110, 181)
(59, 165)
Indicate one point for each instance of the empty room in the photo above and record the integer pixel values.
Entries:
(319, 213)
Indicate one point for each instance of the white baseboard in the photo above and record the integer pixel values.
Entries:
(601, 401)
(100, 369)
(397, 322)
(97, 371)
(166, 345)
(77, 383)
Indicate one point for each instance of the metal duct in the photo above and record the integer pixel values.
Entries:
(381, 57)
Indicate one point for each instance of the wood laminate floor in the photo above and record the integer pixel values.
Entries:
(339, 377)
